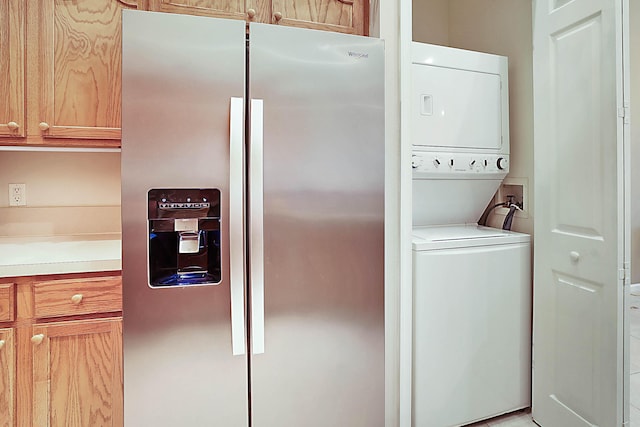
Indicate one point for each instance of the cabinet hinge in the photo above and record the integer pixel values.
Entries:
(624, 273)
(625, 113)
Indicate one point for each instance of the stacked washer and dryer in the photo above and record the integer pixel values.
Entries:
(471, 284)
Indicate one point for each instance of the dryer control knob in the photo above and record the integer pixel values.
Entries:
(502, 163)
(414, 161)
(436, 162)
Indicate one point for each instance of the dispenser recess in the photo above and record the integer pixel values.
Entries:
(184, 237)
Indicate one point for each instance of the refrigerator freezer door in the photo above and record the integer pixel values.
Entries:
(323, 202)
(179, 75)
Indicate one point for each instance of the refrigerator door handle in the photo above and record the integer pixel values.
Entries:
(236, 225)
(256, 240)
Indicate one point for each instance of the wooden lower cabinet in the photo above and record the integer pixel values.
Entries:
(7, 378)
(77, 373)
(61, 350)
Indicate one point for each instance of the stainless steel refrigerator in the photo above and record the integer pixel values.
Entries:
(252, 215)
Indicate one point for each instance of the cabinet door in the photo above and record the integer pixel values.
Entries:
(257, 11)
(344, 16)
(12, 119)
(77, 373)
(7, 378)
(80, 58)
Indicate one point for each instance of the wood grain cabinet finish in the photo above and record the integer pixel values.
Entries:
(61, 349)
(7, 378)
(345, 16)
(12, 50)
(71, 297)
(80, 60)
(77, 373)
(256, 10)
(7, 302)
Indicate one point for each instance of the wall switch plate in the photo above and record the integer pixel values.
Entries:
(17, 194)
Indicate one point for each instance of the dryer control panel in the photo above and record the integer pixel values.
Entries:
(458, 165)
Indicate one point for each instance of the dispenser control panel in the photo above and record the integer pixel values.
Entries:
(184, 237)
(462, 165)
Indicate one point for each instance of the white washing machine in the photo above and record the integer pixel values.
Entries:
(471, 324)
(471, 284)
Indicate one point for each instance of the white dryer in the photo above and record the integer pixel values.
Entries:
(471, 324)
(471, 284)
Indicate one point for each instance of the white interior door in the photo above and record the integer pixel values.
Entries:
(580, 250)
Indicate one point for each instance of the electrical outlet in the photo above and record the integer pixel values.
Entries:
(17, 194)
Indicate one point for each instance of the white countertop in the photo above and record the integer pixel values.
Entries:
(28, 256)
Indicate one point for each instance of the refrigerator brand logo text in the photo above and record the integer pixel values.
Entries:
(358, 54)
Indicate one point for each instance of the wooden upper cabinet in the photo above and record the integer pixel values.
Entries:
(77, 373)
(12, 87)
(344, 16)
(80, 60)
(7, 378)
(234, 9)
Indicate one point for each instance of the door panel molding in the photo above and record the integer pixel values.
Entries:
(579, 233)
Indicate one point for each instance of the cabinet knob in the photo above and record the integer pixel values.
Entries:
(37, 339)
(575, 256)
(1, 344)
(277, 16)
(43, 126)
(76, 299)
(13, 125)
(251, 13)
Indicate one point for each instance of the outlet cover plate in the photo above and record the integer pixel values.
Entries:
(17, 194)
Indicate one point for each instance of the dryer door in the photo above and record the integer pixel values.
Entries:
(455, 108)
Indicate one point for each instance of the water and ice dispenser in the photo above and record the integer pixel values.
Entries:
(184, 237)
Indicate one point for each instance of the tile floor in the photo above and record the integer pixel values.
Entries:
(634, 323)
(515, 419)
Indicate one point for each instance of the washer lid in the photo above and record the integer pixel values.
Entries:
(462, 236)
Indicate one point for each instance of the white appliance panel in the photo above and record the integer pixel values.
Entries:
(460, 132)
(471, 333)
(461, 236)
(451, 201)
(453, 108)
